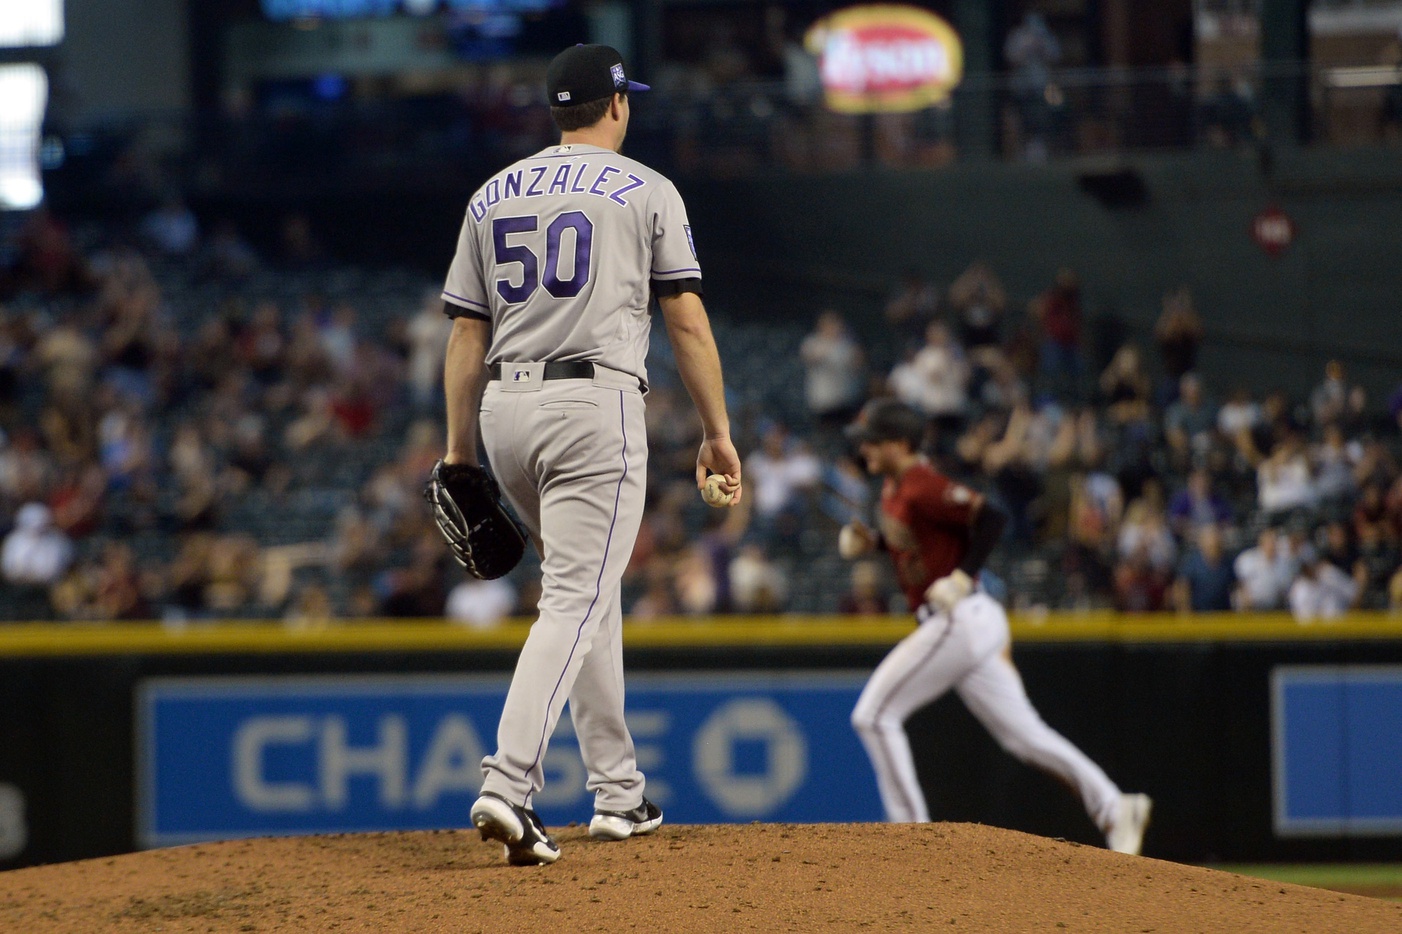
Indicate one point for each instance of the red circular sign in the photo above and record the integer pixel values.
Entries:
(1273, 230)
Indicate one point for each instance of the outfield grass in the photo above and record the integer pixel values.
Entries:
(1380, 880)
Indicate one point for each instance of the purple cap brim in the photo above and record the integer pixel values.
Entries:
(638, 86)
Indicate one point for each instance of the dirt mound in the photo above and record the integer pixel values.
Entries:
(690, 878)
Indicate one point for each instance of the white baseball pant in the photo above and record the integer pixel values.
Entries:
(965, 651)
(571, 458)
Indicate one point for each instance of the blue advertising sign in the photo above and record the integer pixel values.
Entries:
(221, 758)
(1336, 749)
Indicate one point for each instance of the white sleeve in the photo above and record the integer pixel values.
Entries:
(466, 286)
(673, 249)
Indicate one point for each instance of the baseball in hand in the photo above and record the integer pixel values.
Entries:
(713, 493)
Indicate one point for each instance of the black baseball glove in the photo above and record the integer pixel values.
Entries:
(481, 533)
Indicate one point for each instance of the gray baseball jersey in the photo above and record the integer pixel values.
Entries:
(559, 250)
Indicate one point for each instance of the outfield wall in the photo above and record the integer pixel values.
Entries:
(1259, 739)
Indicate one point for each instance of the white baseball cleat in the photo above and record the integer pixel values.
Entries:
(620, 825)
(1126, 833)
(524, 839)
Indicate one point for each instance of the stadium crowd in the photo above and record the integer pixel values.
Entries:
(194, 430)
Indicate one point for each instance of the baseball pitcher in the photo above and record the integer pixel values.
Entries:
(939, 533)
(549, 292)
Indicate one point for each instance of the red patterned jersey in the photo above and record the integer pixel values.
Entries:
(925, 519)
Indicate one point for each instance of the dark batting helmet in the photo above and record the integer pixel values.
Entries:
(888, 420)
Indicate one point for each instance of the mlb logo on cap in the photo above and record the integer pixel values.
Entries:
(584, 73)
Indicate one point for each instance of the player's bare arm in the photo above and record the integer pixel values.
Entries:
(698, 362)
(464, 377)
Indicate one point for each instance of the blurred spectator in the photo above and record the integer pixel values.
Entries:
(1178, 333)
(865, 596)
(1058, 312)
(658, 598)
(119, 592)
(1240, 413)
(312, 608)
(481, 604)
(1284, 482)
(1370, 512)
(1333, 461)
(757, 584)
(35, 553)
(1139, 586)
(352, 409)
(124, 447)
(261, 345)
(1321, 592)
(978, 302)
(1003, 389)
(911, 307)
(1263, 573)
(1010, 463)
(172, 229)
(1196, 505)
(68, 426)
(778, 477)
(1125, 388)
(1144, 533)
(68, 358)
(846, 490)
(1334, 543)
(77, 499)
(1206, 577)
(833, 372)
(1377, 560)
(231, 574)
(1031, 49)
(427, 334)
(415, 589)
(338, 337)
(1075, 448)
(1189, 422)
(1330, 397)
(935, 382)
(695, 587)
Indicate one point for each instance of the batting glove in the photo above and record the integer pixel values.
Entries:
(949, 590)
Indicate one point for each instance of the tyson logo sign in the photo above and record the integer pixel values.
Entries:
(885, 58)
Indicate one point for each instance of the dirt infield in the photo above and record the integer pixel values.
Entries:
(687, 878)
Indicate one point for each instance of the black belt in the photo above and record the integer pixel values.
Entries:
(553, 370)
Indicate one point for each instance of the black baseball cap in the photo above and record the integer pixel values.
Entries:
(584, 73)
(887, 420)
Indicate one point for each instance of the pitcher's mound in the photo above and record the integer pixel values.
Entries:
(686, 878)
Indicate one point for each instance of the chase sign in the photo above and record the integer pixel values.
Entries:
(220, 758)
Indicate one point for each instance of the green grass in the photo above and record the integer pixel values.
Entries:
(1340, 876)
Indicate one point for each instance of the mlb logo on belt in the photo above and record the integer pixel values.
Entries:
(520, 376)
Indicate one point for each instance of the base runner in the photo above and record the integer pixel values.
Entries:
(939, 533)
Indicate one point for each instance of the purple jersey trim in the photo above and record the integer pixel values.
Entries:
(465, 301)
(598, 584)
(672, 272)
